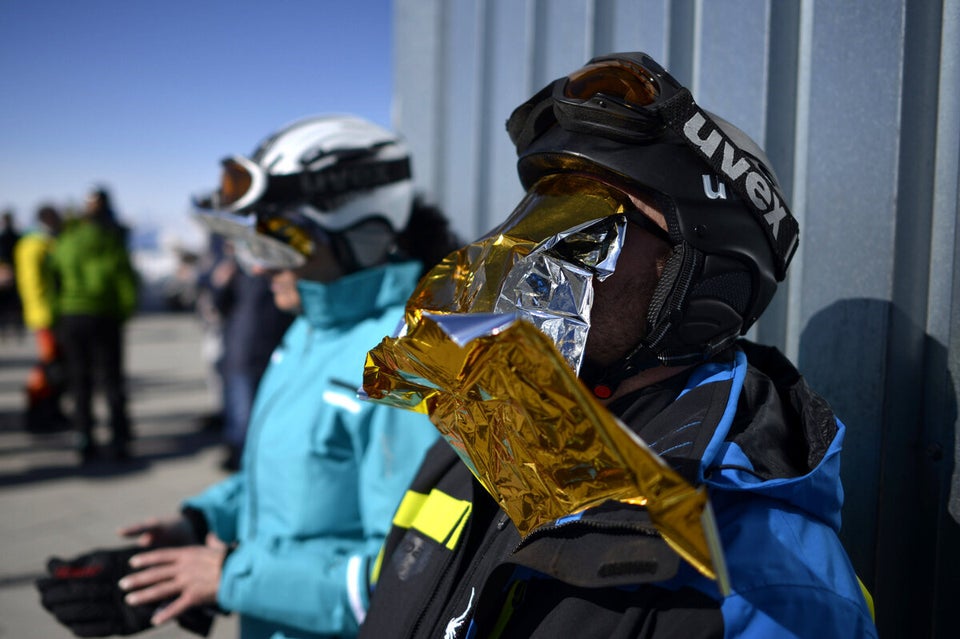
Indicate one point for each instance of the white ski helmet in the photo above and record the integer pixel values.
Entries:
(337, 170)
(337, 176)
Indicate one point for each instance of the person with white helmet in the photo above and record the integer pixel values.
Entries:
(326, 206)
(620, 463)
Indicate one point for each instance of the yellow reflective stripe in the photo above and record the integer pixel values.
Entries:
(869, 599)
(409, 506)
(375, 572)
(437, 515)
(507, 611)
(456, 532)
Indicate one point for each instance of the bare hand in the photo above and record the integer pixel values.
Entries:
(223, 272)
(190, 575)
(175, 531)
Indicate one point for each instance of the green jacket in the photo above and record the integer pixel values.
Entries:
(93, 271)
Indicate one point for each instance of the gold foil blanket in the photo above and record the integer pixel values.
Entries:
(503, 396)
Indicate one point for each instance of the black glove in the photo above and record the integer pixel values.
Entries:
(83, 594)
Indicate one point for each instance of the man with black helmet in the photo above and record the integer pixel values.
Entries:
(652, 235)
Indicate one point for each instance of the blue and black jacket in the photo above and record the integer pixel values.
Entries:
(763, 443)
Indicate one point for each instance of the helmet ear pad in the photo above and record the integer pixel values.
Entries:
(697, 306)
(713, 315)
(367, 243)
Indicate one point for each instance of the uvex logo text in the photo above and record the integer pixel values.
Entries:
(735, 166)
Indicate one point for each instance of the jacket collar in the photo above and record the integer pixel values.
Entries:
(357, 296)
(747, 423)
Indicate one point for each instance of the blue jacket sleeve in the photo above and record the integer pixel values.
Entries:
(320, 584)
(795, 613)
(300, 584)
(220, 505)
(789, 574)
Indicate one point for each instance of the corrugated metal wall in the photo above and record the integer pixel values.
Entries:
(858, 106)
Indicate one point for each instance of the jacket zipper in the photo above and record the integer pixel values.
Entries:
(464, 580)
(586, 523)
(252, 470)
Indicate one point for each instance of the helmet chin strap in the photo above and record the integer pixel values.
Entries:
(343, 253)
(355, 250)
(603, 381)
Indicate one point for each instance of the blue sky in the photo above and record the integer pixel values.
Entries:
(146, 97)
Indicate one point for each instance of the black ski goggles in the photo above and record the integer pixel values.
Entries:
(244, 184)
(616, 96)
(629, 98)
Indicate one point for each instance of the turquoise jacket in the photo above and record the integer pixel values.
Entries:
(322, 472)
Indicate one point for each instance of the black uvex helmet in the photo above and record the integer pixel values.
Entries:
(624, 117)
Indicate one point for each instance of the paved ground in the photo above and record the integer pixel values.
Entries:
(48, 505)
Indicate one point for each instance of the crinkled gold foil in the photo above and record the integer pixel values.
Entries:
(540, 263)
(502, 395)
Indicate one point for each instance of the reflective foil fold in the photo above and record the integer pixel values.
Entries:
(252, 248)
(507, 401)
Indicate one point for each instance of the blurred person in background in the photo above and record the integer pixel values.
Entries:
(10, 313)
(252, 326)
(211, 351)
(325, 207)
(179, 289)
(36, 286)
(96, 295)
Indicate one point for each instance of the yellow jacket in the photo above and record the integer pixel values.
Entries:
(35, 279)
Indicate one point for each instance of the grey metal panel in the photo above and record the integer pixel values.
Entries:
(507, 83)
(681, 39)
(780, 144)
(462, 97)
(563, 38)
(730, 70)
(914, 467)
(417, 59)
(630, 25)
(943, 317)
(852, 153)
(945, 210)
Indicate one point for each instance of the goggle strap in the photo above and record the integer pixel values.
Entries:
(603, 382)
(681, 113)
(336, 180)
(524, 124)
